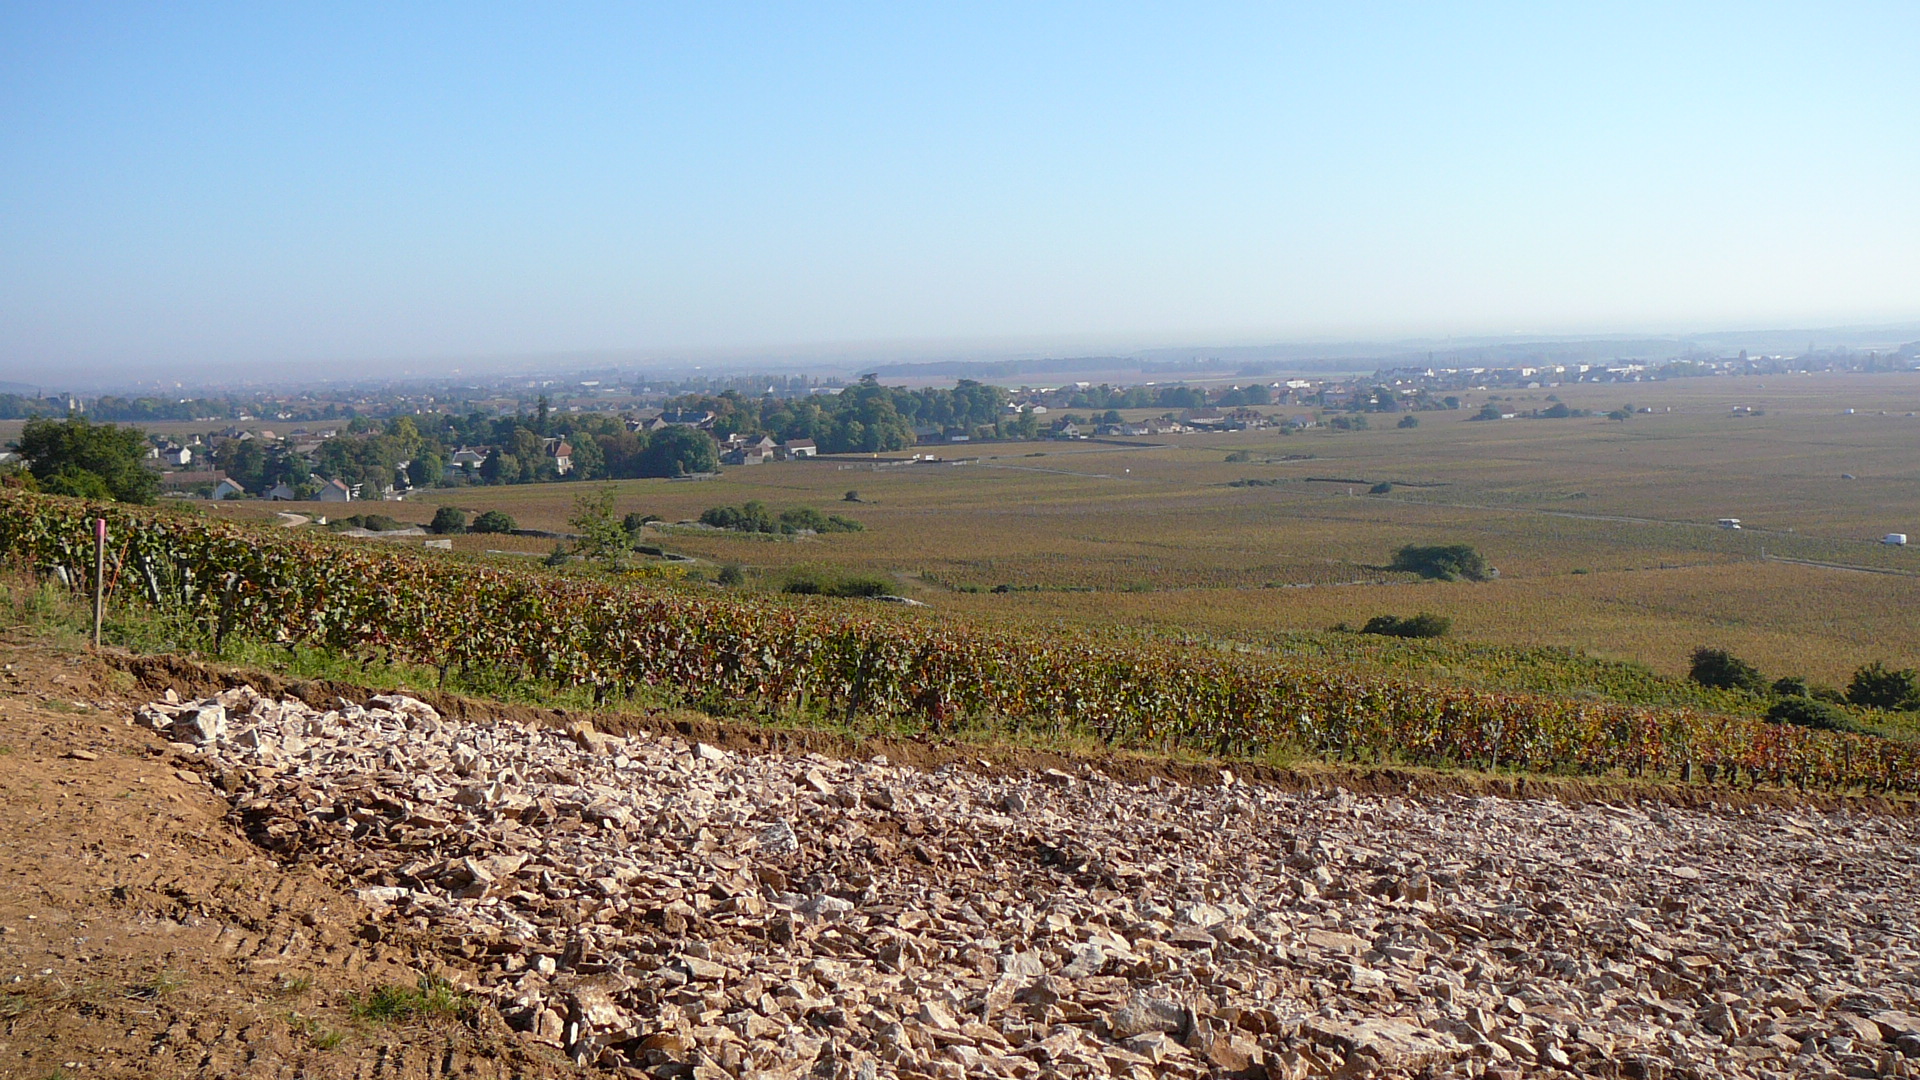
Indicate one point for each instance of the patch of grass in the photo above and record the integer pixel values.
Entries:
(162, 984)
(295, 985)
(430, 999)
(321, 1036)
(12, 1005)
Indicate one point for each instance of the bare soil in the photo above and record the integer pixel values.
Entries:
(141, 935)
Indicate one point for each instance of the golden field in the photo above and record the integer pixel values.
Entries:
(1603, 531)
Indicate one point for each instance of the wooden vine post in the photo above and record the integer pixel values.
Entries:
(99, 577)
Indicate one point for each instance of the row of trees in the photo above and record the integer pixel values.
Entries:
(143, 409)
(419, 450)
(864, 418)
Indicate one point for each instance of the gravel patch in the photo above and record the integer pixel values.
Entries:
(649, 903)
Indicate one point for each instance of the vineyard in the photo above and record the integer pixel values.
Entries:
(618, 639)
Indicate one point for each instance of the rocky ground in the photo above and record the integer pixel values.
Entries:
(669, 908)
(142, 936)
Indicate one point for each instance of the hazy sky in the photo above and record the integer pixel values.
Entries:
(275, 182)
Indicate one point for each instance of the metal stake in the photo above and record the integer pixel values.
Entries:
(99, 577)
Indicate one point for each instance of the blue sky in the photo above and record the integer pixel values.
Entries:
(273, 183)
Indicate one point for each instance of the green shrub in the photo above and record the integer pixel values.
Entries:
(1721, 670)
(448, 521)
(1381, 488)
(1808, 713)
(1791, 686)
(825, 581)
(1877, 687)
(1445, 562)
(730, 574)
(369, 522)
(753, 517)
(1408, 421)
(804, 517)
(1423, 625)
(492, 521)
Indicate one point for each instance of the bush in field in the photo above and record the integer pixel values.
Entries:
(753, 517)
(1791, 686)
(1808, 713)
(1877, 687)
(1446, 562)
(448, 521)
(1422, 625)
(730, 574)
(1721, 670)
(492, 521)
(600, 535)
(369, 522)
(818, 581)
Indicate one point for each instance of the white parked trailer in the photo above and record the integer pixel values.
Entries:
(1896, 539)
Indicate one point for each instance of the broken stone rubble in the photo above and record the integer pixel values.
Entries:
(649, 903)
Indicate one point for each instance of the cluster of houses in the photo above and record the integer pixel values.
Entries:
(175, 459)
(471, 458)
(182, 463)
(735, 449)
(1231, 420)
(760, 449)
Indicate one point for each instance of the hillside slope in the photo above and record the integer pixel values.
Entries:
(653, 904)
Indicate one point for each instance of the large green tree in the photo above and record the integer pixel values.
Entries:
(74, 457)
(679, 451)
